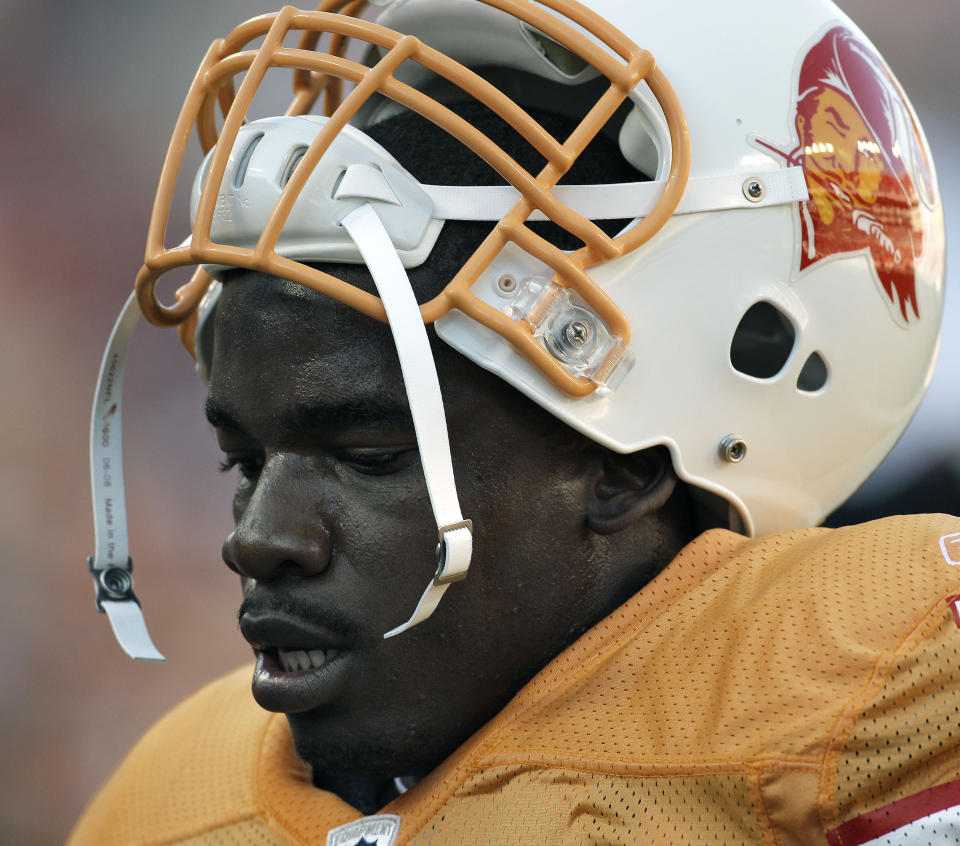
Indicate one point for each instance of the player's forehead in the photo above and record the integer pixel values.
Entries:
(284, 353)
(280, 348)
(249, 299)
(291, 321)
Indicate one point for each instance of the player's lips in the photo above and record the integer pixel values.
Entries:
(299, 665)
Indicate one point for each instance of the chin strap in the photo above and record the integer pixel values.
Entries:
(455, 535)
(110, 564)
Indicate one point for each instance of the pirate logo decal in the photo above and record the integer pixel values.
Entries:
(865, 163)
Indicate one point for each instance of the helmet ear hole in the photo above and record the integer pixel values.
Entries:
(762, 342)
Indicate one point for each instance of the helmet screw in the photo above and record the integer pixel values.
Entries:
(733, 448)
(507, 284)
(116, 582)
(753, 190)
(577, 333)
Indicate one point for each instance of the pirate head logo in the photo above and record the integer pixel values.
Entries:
(865, 164)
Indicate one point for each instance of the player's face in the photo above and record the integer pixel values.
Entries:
(335, 538)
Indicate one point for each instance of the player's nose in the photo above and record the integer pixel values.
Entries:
(281, 528)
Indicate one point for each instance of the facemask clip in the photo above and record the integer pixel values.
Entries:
(572, 332)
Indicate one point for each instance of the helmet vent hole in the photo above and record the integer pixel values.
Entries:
(814, 374)
(241, 172)
(763, 341)
(292, 161)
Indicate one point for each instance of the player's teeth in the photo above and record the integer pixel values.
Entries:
(293, 660)
(290, 659)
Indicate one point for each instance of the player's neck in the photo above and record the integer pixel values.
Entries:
(368, 794)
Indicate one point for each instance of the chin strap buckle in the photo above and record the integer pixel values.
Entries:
(454, 551)
(452, 564)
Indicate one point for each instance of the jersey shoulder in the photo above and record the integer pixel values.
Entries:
(745, 647)
(191, 774)
(808, 675)
(892, 760)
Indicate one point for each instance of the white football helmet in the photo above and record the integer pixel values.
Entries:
(770, 315)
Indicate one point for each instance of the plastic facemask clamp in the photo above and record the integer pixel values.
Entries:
(441, 577)
(112, 583)
(572, 332)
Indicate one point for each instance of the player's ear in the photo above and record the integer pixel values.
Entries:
(625, 488)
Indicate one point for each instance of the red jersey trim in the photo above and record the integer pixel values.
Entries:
(954, 603)
(890, 817)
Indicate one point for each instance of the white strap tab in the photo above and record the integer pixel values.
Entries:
(130, 630)
(426, 404)
(624, 199)
(367, 182)
(110, 563)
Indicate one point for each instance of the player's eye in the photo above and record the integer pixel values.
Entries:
(375, 461)
(249, 466)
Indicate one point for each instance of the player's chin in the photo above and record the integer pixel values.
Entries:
(332, 741)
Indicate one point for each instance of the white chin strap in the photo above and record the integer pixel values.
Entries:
(455, 535)
(110, 564)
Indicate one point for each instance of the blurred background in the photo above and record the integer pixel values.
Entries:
(90, 91)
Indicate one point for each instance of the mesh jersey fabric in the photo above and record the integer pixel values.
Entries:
(785, 690)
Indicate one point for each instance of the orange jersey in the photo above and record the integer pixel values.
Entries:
(802, 688)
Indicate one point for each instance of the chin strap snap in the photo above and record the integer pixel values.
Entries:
(110, 565)
(455, 535)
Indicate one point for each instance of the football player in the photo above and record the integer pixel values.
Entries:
(540, 335)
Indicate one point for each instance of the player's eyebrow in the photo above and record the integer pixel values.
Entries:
(318, 414)
(220, 416)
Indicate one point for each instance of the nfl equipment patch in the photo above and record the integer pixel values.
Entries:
(378, 830)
